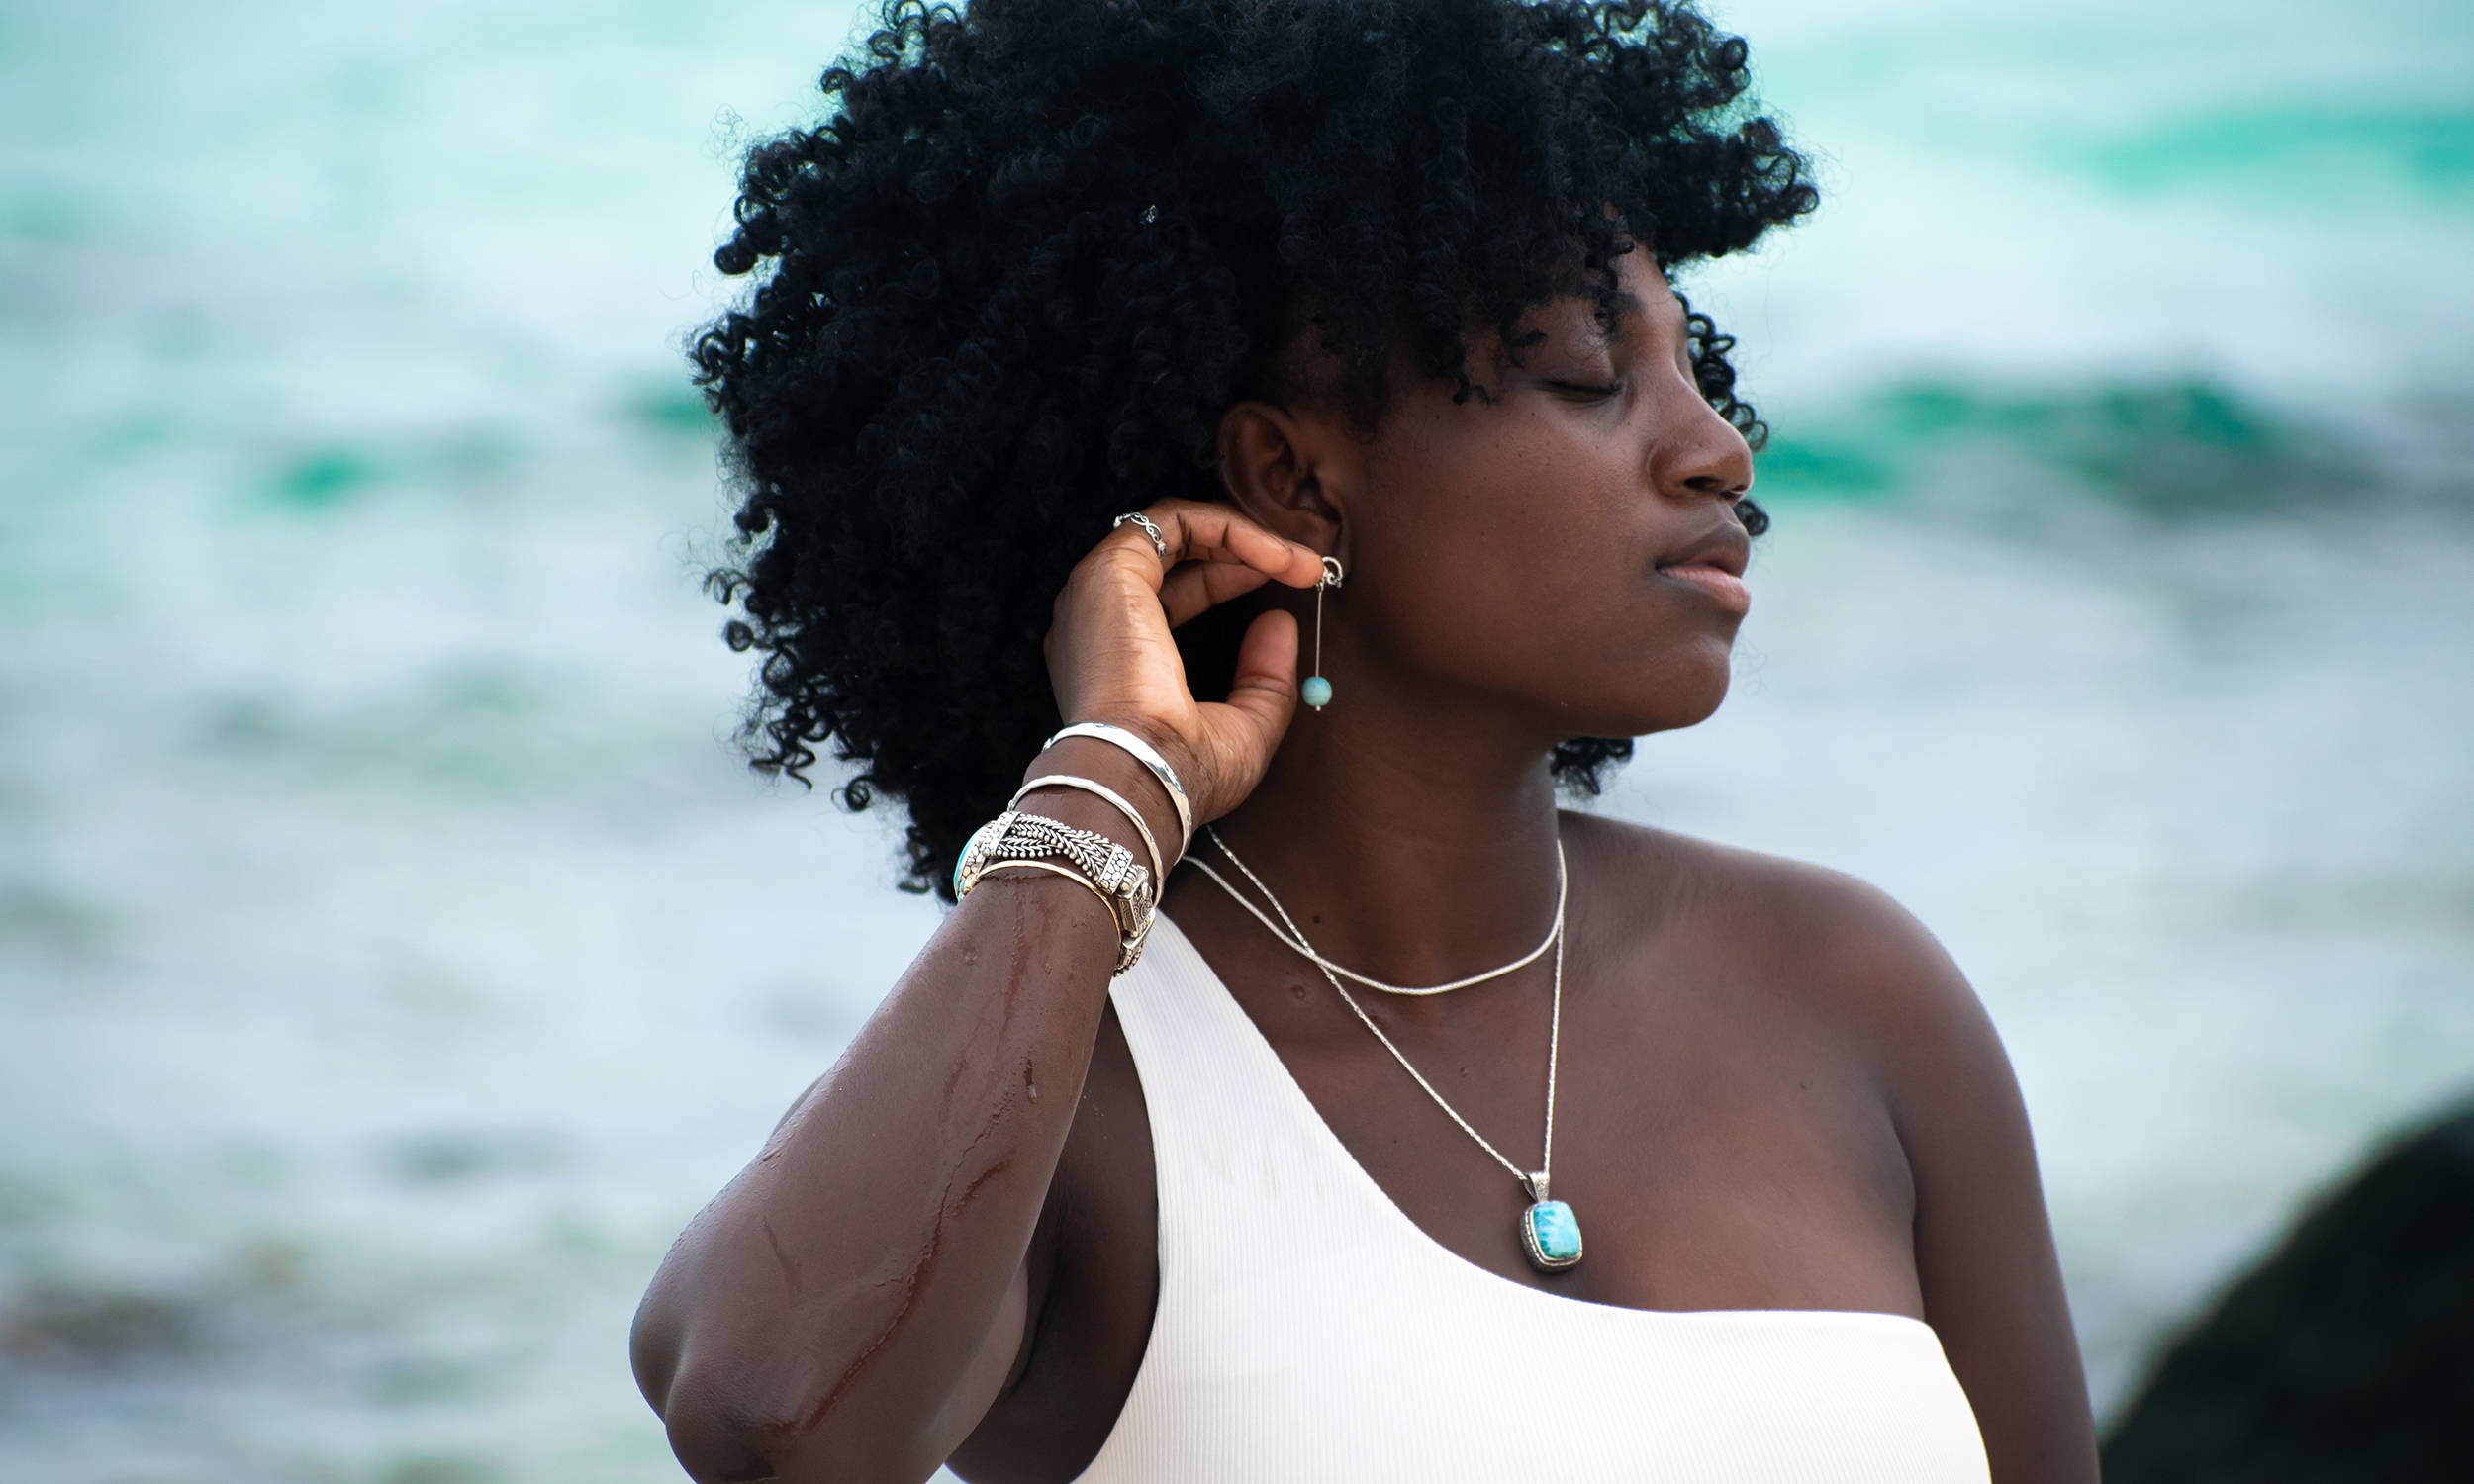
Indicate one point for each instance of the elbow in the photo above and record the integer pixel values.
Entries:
(717, 1443)
(730, 1419)
(719, 1438)
(741, 1404)
(718, 1431)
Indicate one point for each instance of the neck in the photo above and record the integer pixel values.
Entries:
(1412, 847)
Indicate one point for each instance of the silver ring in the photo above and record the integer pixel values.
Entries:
(1159, 542)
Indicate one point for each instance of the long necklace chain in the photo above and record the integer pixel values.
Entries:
(1555, 1023)
(1298, 942)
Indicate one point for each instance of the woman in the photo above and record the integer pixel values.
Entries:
(1115, 356)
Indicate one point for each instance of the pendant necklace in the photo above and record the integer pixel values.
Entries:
(1549, 1231)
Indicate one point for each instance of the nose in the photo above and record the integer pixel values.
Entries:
(1697, 451)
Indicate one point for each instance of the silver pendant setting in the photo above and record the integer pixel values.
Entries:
(1549, 1231)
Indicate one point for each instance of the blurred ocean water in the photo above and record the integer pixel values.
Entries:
(394, 954)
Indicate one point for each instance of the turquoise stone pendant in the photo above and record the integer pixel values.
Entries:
(1549, 1229)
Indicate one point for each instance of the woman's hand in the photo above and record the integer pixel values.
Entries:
(1111, 659)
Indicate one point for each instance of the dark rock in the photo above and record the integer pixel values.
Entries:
(2346, 1354)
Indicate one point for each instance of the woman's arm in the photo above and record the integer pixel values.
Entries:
(1984, 1245)
(850, 1306)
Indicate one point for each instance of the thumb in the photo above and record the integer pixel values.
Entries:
(1265, 689)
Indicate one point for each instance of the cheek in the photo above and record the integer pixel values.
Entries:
(1545, 616)
(1511, 555)
(1526, 524)
(1471, 513)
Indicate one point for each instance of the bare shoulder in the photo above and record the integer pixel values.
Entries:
(1985, 1251)
(1809, 944)
(1845, 947)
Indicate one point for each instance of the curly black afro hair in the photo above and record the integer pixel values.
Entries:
(1041, 246)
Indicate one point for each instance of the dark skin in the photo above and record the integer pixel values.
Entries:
(1776, 1092)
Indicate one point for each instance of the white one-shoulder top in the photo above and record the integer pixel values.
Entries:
(1307, 1330)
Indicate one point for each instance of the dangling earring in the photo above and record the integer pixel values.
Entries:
(1317, 690)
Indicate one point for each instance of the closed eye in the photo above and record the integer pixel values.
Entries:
(1584, 390)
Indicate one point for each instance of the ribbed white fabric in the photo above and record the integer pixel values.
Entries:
(1308, 1330)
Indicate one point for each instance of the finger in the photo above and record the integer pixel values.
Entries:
(1264, 692)
(1197, 585)
(1221, 533)
(1202, 530)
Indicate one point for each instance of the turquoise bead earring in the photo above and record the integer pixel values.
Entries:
(1317, 690)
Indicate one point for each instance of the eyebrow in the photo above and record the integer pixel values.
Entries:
(1629, 305)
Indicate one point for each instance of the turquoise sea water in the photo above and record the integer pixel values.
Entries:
(392, 953)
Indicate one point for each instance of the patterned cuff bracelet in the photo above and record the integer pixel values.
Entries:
(1107, 867)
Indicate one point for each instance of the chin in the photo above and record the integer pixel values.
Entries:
(1687, 691)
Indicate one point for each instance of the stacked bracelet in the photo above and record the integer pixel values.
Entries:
(1075, 781)
(1147, 755)
(1130, 890)
(1100, 863)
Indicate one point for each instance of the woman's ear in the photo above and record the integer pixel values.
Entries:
(1283, 472)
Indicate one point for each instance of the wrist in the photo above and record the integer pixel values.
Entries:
(1112, 768)
(1065, 884)
(1022, 839)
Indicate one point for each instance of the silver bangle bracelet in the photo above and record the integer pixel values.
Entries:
(1072, 781)
(1147, 755)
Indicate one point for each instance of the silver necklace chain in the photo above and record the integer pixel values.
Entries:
(1555, 1023)
(1298, 942)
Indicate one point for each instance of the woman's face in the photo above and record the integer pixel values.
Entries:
(1506, 550)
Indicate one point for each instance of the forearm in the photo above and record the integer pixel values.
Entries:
(852, 1304)
(826, 1312)
(842, 1284)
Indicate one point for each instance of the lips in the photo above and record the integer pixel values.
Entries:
(1714, 563)
(1720, 584)
(1726, 548)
